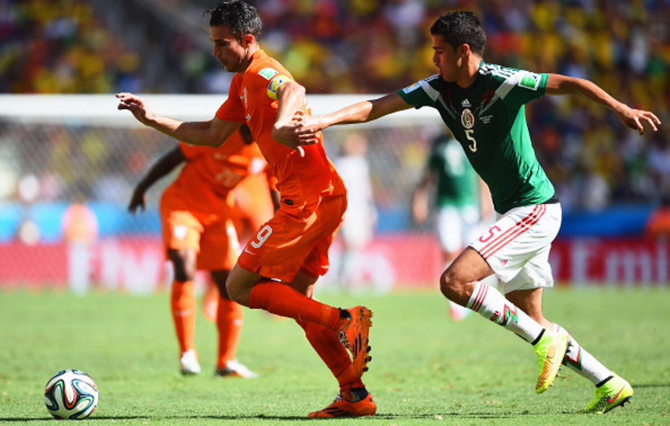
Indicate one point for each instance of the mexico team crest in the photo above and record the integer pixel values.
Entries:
(467, 118)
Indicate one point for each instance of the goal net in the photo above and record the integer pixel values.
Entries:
(57, 152)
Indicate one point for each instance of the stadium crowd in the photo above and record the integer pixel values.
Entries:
(375, 46)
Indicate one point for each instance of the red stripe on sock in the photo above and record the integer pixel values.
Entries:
(479, 298)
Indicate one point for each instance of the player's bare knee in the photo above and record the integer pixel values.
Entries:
(182, 273)
(238, 296)
(232, 289)
(183, 265)
(454, 288)
(220, 277)
(237, 291)
(449, 285)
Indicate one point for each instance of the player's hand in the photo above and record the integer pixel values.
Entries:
(136, 106)
(313, 123)
(138, 200)
(636, 118)
(294, 135)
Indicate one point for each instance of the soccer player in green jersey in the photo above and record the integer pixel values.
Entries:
(461, 202)
(483, 106)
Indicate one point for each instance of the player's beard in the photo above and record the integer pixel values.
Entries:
(241, 61)
(226, 66)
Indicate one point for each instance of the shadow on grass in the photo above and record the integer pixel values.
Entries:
(270, 417)
(651, 385)
(94, 417)
(387, 416)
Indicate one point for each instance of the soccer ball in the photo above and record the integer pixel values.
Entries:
(71, 394)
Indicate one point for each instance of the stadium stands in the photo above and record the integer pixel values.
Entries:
(77, 46)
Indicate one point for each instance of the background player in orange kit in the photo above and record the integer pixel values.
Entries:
(251, 209)
(278, 269)
(198, 234)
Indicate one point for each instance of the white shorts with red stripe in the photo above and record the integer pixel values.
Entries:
(517, 246)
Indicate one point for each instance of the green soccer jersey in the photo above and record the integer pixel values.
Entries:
(488, 119)
(456, 182)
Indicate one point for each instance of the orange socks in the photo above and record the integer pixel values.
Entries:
(183, 305)
(210, 302)
(228, 320)
(280, 299)
(319, 321)
(229, 324)
(326, 343)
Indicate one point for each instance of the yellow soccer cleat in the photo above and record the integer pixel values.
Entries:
(550, 351)
(614, 393)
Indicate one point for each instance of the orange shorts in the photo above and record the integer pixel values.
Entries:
(288, 243)
(212, 236)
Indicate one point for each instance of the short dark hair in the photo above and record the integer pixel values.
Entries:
(240, 18)
(461, 27)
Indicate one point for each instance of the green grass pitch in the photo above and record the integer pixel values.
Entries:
(426, 369)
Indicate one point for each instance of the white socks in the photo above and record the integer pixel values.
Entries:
(582, 362)
(492, 305)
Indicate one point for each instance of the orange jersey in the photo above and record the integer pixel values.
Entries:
(209, 175)
(301, 181)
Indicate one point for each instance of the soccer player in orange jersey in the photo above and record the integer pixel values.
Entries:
(251, 209)
(278, 269)
(198, 233)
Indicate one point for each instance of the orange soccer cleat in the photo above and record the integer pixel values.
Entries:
(354, 335)
(343, 408)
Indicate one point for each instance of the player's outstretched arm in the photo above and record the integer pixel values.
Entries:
(209, 133)
(360, 112)
(632, 118)
(162, 167)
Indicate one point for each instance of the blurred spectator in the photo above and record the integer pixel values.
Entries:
(80, 224)
(28, 232)
(80, 230)
(658, 225)
(94, 46)
(60, 46)
(357, 229)
(659, 165)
